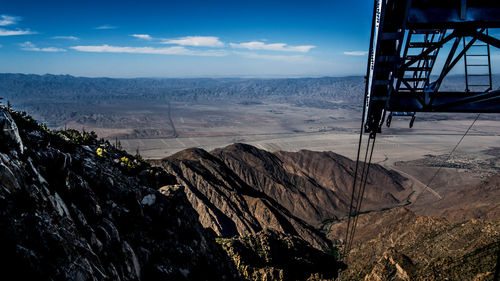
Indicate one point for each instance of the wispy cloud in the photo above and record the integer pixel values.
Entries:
(28, 46)
(355, 53)
(5, 32)
(177, 50)
(106, 26)
(8, 20)
(257, 45)
(197, 41)
(142, 36)
(74, 38)
(284, 58)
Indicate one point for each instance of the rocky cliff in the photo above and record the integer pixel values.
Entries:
(74, 208)
(271, 255)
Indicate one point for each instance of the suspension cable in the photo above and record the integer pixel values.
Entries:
(363, 182)
(367, 85)
(354, 184)
(451, 152)
(356, 201)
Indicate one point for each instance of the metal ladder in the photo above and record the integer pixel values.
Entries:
(477, 64)
(416, 77)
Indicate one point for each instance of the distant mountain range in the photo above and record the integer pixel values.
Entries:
(20, 88)
(61, 99)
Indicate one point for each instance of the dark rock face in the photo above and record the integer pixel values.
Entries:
(9, 134)
(74, 208)
(271, 255)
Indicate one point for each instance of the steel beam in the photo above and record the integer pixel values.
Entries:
(487, 39)
(488, 102)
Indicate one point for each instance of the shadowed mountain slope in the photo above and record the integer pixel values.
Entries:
(313, 186)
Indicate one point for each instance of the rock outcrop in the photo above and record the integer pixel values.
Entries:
(271, 255)
(9, 134)
(392, 266)
(74, 208)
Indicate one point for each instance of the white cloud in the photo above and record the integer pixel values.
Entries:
(5, 32)
(142, 36)
(11, 20)
(256, 45)
(106, 26)
(8, 20)
(66, 37)
(285, 58)
(198, 41)
(148, 50)
(355, 53)
(28, 46)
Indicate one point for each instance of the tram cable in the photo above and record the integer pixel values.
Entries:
(365, 103)
(361, 191)
(349, 214)
(451, 152)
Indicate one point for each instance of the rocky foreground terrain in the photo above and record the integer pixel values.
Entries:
(399, 245)
(74, 208)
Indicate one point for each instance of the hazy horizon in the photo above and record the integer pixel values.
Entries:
(305, 76)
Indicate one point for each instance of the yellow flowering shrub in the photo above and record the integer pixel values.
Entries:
(100, 152)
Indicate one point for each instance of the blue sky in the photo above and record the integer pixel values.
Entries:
(185, 38)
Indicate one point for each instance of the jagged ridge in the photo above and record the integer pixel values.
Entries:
(240, 190)
(227, 204)
(75, 208)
